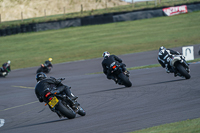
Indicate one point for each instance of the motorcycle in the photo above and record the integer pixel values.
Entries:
(61, 104)
(43, 68)
(123, 78)
(180, 66)
(3, 73)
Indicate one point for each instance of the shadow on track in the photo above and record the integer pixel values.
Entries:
(39, 123)
(170, 81)
(107, 90)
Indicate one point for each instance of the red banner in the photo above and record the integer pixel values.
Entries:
(175, 10)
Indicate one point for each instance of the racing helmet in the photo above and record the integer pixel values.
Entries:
(106, 53)
(40, 76)
(162, 48)
(9, 62)
(50, 59)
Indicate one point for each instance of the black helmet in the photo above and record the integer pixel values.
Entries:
(40, 76)
(162, 48)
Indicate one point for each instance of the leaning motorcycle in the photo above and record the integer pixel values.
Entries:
(180, 66)
(123, 78)
(43, 68)
(3, 73)
(61, 104)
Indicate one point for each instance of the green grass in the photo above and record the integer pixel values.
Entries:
(187, 126)
(87, 42)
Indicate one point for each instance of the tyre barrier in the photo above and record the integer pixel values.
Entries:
(16, 30)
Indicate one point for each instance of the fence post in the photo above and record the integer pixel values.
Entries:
(81, 8)
(155, 2)
(133, 3)
(45, 13)
(22, 16)
(64, 10)
(106, 4)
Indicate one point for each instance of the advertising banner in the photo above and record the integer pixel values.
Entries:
(175, 10)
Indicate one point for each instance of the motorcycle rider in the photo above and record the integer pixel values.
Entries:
(107, 61)
(48, 63)
(164, 58)
(51, 83)
(6, 67)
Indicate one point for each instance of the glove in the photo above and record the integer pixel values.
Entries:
(183, 57)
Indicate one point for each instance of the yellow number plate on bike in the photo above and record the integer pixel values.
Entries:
(53, 102)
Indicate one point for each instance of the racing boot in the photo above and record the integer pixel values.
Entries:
(115, 79)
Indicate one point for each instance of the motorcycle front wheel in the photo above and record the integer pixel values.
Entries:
(81, 111)
(183, 72)
(125, 80)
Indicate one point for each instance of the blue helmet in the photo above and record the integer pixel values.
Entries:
(40, 76)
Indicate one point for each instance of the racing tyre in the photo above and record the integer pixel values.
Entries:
(183, 72)
(125, 80)
(66, 111)
(81, 111)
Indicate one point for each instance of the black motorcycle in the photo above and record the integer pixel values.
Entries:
(61, 104)
(180, 66)
(43, 68)
(123, 78)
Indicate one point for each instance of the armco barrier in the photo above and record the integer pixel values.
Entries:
(92, 20)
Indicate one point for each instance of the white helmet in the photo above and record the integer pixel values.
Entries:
(9, 62)
(162, 48)
(105, 54)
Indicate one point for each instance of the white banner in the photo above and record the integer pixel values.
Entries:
(175, 10)
(188, 52)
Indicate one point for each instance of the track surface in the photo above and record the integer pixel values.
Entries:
(155, 98)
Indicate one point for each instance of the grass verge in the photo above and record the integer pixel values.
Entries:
(87, 42)
(187, 126)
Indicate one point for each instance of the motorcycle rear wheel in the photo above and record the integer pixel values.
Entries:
(182, 71)
(66, 111)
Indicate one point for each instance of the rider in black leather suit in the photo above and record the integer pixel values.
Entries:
(51, 84)
(107, 61)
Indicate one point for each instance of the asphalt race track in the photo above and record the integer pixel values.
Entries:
(155, 98)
